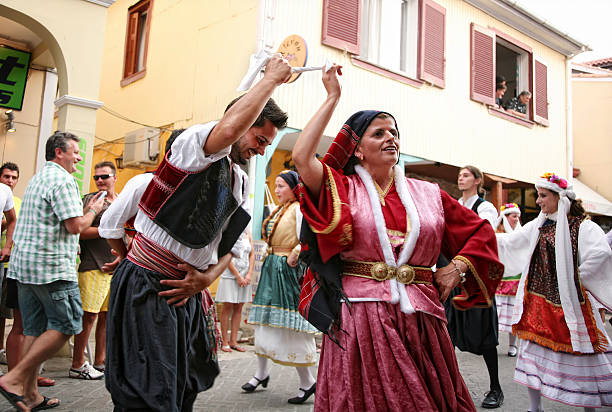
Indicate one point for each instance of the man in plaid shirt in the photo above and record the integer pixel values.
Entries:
(43, 262)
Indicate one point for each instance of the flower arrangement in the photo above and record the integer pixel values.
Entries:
(553, 178)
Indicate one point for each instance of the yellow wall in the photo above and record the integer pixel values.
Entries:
(71, 33)
(198, 52)
(437, 124)
(592, 124)
(20, 147)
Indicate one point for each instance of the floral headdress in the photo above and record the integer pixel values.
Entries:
(510, 208)
(552, 181)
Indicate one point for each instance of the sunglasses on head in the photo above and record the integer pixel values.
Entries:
(103, 177)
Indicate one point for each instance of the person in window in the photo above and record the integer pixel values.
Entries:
(518, 105)
(371, 240)
(567, 270)
(500, 90)
(281, 334)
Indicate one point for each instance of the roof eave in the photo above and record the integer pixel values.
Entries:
(507, 11)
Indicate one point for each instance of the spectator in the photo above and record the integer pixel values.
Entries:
(94, 283)
(500, 90)
(9, 175)
(518, 105)
(234, 291)
(43, 263)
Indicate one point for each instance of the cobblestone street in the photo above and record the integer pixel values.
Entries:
(237, 368)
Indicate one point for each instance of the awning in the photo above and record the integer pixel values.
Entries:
(592, 201)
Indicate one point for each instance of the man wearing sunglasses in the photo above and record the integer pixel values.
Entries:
(94, 281)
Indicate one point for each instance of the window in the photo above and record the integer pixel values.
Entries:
(136, 42)
(389, 38)
(404, 37)
(495, 54)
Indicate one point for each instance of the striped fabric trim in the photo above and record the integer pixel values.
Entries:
(151, 256)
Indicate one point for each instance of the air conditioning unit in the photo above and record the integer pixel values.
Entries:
(141, 147)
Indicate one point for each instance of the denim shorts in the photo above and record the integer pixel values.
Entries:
(54, 306)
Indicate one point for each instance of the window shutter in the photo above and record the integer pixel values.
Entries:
(432, 60)
(482, 65)
(342, 24)
(131, 44)
(540, 93)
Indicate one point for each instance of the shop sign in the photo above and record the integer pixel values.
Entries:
(14, 66)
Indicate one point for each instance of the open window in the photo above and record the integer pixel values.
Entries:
(136, 41)
(495, 54)
(405, 37)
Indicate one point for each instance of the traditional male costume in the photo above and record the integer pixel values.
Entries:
(567, 268)
(506, 292)
(160, 356)
(375, 247)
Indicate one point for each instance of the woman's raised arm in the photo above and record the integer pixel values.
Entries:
(309, 168)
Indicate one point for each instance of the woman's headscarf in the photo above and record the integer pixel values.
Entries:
(291, 177)
(506, 210)
(346, 141)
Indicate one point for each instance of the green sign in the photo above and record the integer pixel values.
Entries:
(79, 175)
(14, 66)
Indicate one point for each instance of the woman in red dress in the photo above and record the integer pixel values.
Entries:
(381, 233)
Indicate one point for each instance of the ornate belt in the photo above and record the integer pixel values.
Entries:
(380, 271)
(276, 250)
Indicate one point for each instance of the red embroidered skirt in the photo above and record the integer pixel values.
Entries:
(392, 362)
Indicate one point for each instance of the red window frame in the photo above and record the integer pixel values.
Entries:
(132, 41)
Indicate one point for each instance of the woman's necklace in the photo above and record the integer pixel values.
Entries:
(382, 193)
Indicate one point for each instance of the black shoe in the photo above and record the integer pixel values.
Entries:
(493, 399)
(247, 387)
(303, 398)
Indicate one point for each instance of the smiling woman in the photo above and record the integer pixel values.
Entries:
(372, 236)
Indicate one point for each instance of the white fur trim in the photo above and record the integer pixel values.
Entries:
(398, 292)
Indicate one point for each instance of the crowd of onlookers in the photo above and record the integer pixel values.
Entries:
(516, 105)
(57, 283)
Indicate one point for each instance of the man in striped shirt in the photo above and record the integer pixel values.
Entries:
(44, 264)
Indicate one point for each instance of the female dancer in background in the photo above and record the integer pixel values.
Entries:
(566, 263)
(281, 334)
(509, 221)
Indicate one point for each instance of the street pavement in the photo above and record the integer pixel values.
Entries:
(237, 368)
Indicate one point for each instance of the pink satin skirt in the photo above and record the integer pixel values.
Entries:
(391, 362)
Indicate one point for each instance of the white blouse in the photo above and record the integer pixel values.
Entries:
(485, 210)
(187, 154)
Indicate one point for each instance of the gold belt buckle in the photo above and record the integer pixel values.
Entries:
(405, 274)
(269, 250)
(380, 271)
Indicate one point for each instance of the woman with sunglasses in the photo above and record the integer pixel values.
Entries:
(371, 240)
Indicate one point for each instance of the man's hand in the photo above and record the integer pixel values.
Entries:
(5, 254)
(111, 266)
(292, 259)
(96, 203)
(447, 278)
(278, 70)
(194, 282)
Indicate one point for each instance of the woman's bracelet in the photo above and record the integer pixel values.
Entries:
(461, 274)
(91, 209)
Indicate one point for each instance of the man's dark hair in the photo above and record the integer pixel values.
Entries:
(58, 140)
(525, 93)
(175, 133)
(270, 112)
(106, 164)
(10, 166)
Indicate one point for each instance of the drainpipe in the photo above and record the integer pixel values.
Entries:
(569, 121)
